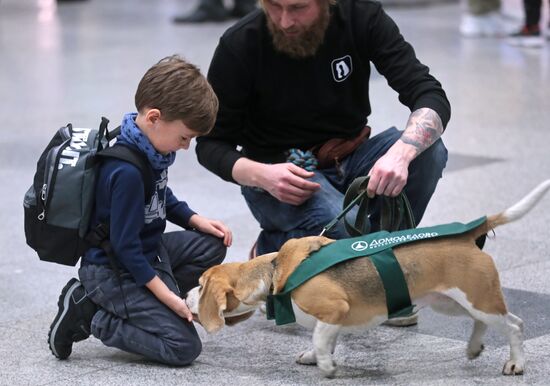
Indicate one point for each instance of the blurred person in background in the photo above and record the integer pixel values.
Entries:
(531, 33)
(482, 18)
(214, 10)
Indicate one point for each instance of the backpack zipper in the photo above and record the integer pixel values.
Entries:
(43, 195)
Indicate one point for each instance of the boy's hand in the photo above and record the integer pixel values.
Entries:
(179, 306)
(212, 227)
(170, 299)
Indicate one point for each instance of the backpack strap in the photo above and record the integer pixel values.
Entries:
(113, 133)
(137, 159)
(104, 132)
(99, 237)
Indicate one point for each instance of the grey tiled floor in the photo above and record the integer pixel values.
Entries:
(83, 60)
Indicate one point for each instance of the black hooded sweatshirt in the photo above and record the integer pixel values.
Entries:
(270, 102)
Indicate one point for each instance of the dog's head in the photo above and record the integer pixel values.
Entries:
(230, 293)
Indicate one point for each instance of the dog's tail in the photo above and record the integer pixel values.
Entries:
(516, 211)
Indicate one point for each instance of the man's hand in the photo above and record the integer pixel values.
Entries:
(212, 227)
(389, 174)
(285, 181)
(288, 183)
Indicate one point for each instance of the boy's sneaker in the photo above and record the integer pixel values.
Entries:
(73, 320)
(528, 36)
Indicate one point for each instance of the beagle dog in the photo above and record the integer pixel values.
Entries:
(450, 274)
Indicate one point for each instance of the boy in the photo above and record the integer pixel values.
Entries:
(141, 310)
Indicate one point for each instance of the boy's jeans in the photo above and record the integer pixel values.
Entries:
(152, 329)
(280, 221)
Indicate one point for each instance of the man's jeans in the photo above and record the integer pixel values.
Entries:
(134, 320)
(280, 221)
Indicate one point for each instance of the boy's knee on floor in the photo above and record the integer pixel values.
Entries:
(185, 354)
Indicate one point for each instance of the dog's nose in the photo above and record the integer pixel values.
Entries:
(192, 302)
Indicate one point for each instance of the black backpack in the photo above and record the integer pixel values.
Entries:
(60, 201)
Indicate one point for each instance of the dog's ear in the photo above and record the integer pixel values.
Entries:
(316, 242)
(212, 303)
(244, 289)
(291, 254)
(254, 278)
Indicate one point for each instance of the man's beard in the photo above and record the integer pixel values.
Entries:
(307, 42)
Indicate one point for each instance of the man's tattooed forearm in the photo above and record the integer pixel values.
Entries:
(423, 129)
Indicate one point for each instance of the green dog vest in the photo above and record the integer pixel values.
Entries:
(378, 247)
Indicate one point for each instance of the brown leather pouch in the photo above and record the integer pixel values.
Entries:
(334, 150)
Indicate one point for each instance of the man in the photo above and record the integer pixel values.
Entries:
(296, 74)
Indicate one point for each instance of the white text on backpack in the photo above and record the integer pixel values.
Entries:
(70, 155)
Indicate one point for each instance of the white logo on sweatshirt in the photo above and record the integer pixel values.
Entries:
(341, 68)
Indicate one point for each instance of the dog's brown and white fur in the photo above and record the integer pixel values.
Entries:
(451, 274)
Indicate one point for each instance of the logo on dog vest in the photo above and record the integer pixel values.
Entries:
(341, 68)
(70, 155)
(359, 246)
(362, 245)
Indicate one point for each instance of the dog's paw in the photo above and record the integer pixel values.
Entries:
(328, 368)
(307, 358)
(513, 367)
(474, 351)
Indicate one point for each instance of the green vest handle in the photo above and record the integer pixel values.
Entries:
(395, 211)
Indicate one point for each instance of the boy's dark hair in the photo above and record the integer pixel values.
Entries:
(179, 91)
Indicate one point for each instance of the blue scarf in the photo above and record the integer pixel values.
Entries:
(132, 134)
